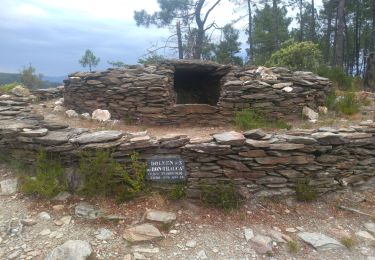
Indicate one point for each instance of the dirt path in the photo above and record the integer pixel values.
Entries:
(198, 232)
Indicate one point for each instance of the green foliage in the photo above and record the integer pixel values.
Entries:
(49, 179)
(293, 246)
(331, 100)
(220, 195)
(305, 192)
(251, 119)
(30, 79)
(89, 59)
(348, 104)
(103, 176)
(348, 242)
(226, 50)
(264, 32)
(117, 64)
(336, 75)
(6, 88)
(297, 56)
(151, 59)
(178, 192)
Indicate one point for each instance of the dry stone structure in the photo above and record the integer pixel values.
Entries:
(178, 92)
(260, 164)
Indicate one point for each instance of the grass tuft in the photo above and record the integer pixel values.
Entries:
(293, 246)
(221, 195)
(252, 119)
(348, 242)
(305, 192)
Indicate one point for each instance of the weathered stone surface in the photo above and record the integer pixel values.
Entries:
(239, 166)
(71, 250)
(253, 153)
(257, 144)
(71, 113)
(8, 186)
(230, 138)
(101, 115)
(329, 138)
(20, 91)
(261, 244)
(143, 232)
(160, 216)
(208, 148)
(299, 159)
(320, 241)
(286, 146)
(97, 137)
(86, 210)
(255, 134)
(309, 113)
(34, 132)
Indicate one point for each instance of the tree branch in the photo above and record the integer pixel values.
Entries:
(210, 10)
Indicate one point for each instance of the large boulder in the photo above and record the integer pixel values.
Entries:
(101, 115)
(71, 250)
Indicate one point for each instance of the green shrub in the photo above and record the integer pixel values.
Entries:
(331, 100)
(337, 75)
(220, 195)
(6, 88)
(348, 104)
(297, 56)
(251, 119)
(293, 246)
(103, 176)
(178, 192)
(305, 192)
(348, 242)
(49, 179)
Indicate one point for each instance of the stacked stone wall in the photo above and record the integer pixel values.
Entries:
(260, 164)
(147, 95)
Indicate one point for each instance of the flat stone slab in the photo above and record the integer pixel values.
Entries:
(58, 137)
(160, 216)
(320, 241)
(97, 137)
(143, 232)
(286, 146)
(230, 138)
(34, 132)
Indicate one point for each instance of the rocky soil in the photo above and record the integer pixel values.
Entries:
(32, 229)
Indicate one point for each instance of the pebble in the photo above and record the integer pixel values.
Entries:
(44, 216)
(191, 243)
(202, 255)
(291, 230)
(249, 233)
(45, 232)
(58, 207)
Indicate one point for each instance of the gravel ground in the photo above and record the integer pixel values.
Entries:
(198, 232)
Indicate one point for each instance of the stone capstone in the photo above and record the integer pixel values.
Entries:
(230, 138)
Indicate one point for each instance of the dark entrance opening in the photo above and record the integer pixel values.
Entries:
(197, 85)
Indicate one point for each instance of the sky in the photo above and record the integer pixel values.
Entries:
(52, 35)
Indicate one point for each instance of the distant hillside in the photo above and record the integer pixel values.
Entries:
(48, 82)
(6, 78)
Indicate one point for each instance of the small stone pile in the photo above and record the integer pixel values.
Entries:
(147, 94)
(259, 164)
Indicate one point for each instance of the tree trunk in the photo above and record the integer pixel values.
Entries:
(179, 41)
(276, 24)
(313, 38)
(300, 22)
(369, 79)
(372, 45)
(356, 40)
(250, 31)
(327, 49)
(339, 48)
